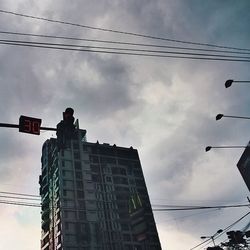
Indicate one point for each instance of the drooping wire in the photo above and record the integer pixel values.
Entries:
(224, 231)
(19, 198)
(155, 210)
(199, 207)
(118, 31)
(117, 48)
(120, 42)
(19, 194)
(209, 57)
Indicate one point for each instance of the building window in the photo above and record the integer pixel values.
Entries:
(126, 237)
(79, 175)
(80, 194)
(79, 184)
(77, 155)
(78, 165)
(95, 168)
(108, 179)
(81, 204)
(93, 159)
(75, 145)
(81, 215)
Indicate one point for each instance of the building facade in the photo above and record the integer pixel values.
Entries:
(94, 197)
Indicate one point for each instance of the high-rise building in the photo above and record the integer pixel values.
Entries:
(94, 197)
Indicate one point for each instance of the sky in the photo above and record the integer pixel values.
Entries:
(165, 107)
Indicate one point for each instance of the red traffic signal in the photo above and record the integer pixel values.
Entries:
(68, 114)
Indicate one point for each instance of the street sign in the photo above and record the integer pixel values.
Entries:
(29, 125)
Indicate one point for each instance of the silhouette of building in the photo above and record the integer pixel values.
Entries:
(94, 197)
(244, 166)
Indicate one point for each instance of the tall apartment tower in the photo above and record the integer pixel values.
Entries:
(94, 197)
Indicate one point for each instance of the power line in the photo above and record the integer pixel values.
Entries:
(19, 198)
(120, 43)
(228, 228)
(155, 210)
(199, 208)
(117, 48)
(210, 58)
(19, 203)
(20, 194)
(190, 215)
(224, 230)
(118, 31)
(166, 207)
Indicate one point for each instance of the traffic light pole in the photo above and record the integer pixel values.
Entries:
(8, 125)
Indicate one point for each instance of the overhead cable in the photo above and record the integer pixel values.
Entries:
(224, 230)
(118, 31)
(159, 55)
(199, 207)
(20, 194)
(19, 198)
(120, 42)
(118, 48)
(154, 209)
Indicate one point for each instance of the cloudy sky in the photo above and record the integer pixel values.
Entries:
(164, 107)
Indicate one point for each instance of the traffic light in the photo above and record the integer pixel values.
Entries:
(65, 129)
(68, 122)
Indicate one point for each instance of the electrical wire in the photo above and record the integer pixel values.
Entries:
(118, 31)
(210, 58)
(224, 231)
(19, 203)
(155, 210)
(20, 194)
(166, 207)
(122, 49)
(191, 215)
(119, 42)
(19, 198)
(199, 208)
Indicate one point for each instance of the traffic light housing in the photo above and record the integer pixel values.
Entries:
(68, 123)
(65, 129)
